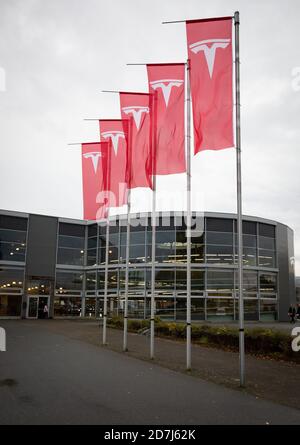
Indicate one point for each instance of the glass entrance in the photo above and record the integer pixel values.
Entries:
(38, 307)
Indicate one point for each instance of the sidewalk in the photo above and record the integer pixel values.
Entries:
(269, 379)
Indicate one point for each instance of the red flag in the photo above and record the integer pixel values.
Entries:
(95, 179)
(114, 131)
(137, 108)
(210, 54)
(167, 82)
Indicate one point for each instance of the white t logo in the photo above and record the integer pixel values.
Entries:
(114, 136)
(137, 112)
(94, 155)
(166, 87)
(209, 52)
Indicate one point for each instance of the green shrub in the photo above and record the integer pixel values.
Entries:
(258, 341)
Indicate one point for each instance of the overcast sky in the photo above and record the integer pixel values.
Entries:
(57, 55)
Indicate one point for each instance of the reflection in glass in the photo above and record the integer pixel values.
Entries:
(10, 305)
(67, 307)
(220, 309)
(11, 279)
(268, 310)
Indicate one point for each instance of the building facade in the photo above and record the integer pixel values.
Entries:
(60, 263)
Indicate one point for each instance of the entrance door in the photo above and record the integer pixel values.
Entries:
(35, 307)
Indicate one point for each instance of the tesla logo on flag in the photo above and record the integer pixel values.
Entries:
(136, 112)
(114, 136)
(209, 51)
(166, 87)
(94, 155)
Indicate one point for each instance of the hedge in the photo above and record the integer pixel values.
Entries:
(258, 341)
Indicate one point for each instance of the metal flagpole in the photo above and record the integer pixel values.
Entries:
(153, 224)
(129, 160)
(125, 336)
(104, 339)
(188, 225)
(239, 200)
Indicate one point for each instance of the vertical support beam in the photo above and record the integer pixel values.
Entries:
(239, 201)
(104, 340)
(188, 222)
(125, 333)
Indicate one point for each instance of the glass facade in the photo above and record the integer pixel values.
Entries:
(213, 276)
(71, 244)
(78, 285)
(13, 235)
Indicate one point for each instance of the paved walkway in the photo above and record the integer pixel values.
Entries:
(49, 377)
(278, 381)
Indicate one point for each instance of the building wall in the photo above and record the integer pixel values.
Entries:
(66, 259)
(285, 254)
(40, 258)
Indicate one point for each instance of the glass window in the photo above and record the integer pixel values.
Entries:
(74, 230)
(101, 255)
(135, 238)
(113, 255)
(91, 259)
(219, 225)
(112, 281)
(68, 281)
(102, 241)
(92, 243)
(219, 238)
(67, 307)
(92, 230)
(197, 309)
(90, 307)
(73, 257)
(250, 310)
(218, 280)
(71, 244)
(268, 310)
(249, 256)
(219, 254)
(266, 230)
(136, 307)
(165, 246)
(16, 236)
(266, 243)
(37, 286)
(268, 283)
(11, 279)
(249, 227)
(13, 223)
(164, 279)
(90, 281)
(165, 308)
(248, 241)
(136, 253)
(266, 258)
(12, 239)
(136, 279)
(113, 239)
(197, 248)
(250, 280)
(220, 309)
(10, 305)
(12, 251)
(197, 280)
